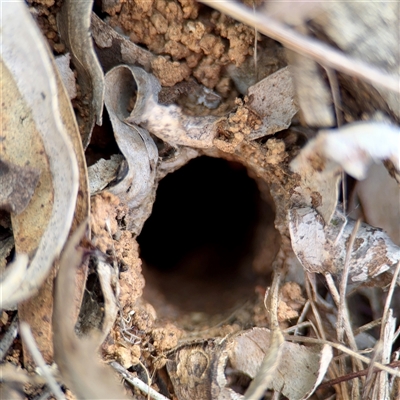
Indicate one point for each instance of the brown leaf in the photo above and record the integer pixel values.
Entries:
(74, 27)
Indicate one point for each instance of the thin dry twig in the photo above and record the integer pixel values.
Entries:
(344, 349)
(136, 382)
(27, 337)
(8, 338)
(320, 52)
(271, 360)
(353, 375)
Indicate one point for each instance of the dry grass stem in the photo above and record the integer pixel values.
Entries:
(8, 338)
(27, 337)
(271, 360)
(322, 53)
(136, 382)
(344, 349)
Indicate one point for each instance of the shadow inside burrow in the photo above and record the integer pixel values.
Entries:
(208, 229)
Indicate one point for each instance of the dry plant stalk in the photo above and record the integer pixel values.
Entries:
(320, 52)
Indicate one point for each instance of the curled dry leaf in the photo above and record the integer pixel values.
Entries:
(33, 132)
(17, 186)
(322, 247)
(273, 100)
(76, 358)
(135, 144)
(166, 122)
(74, 27)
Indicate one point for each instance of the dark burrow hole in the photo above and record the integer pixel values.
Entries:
(204, 245)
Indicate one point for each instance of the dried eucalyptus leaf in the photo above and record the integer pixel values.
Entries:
(312, 91)
(103, 172)
(166, 122)
(114, 49)
(322, 248)
(352, 148)
(80, 367)
(191, 370)
(270, 362)
(208, 370)
(17, 186)
(379, 196)
(135, 144)
(273, 99)
(34, 133)
(74, 28)
(299, 371)
(66, 74)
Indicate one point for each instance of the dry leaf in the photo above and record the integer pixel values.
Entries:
(379, 196)
(137, 188)
(312, 91)
(322, 248)
(273, 100)
(74, 28)
(103, 172)
(352, 148)
(166, 122)
(299, 371)
(34, 133)
(66, 74)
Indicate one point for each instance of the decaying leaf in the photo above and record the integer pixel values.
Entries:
(273, 100)
(379, 196)
(74, 28)
(85, 375)
(312, 92)
(192, 368)
(66, 74)
(299, 371)
(17, 186)
(351, 148)
(103, 172)
(212, 369)
(34, 133)
(166, 122)
(321, 247)
(135, 144)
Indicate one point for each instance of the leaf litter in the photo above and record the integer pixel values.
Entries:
(246, 355)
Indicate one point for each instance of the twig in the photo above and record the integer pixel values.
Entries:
(343, 315)
(27, 337)
(271, 360)
(137, 382)
(8, 338)
(354, 375)
(320, 52)
(344, 349)
(390, 295)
